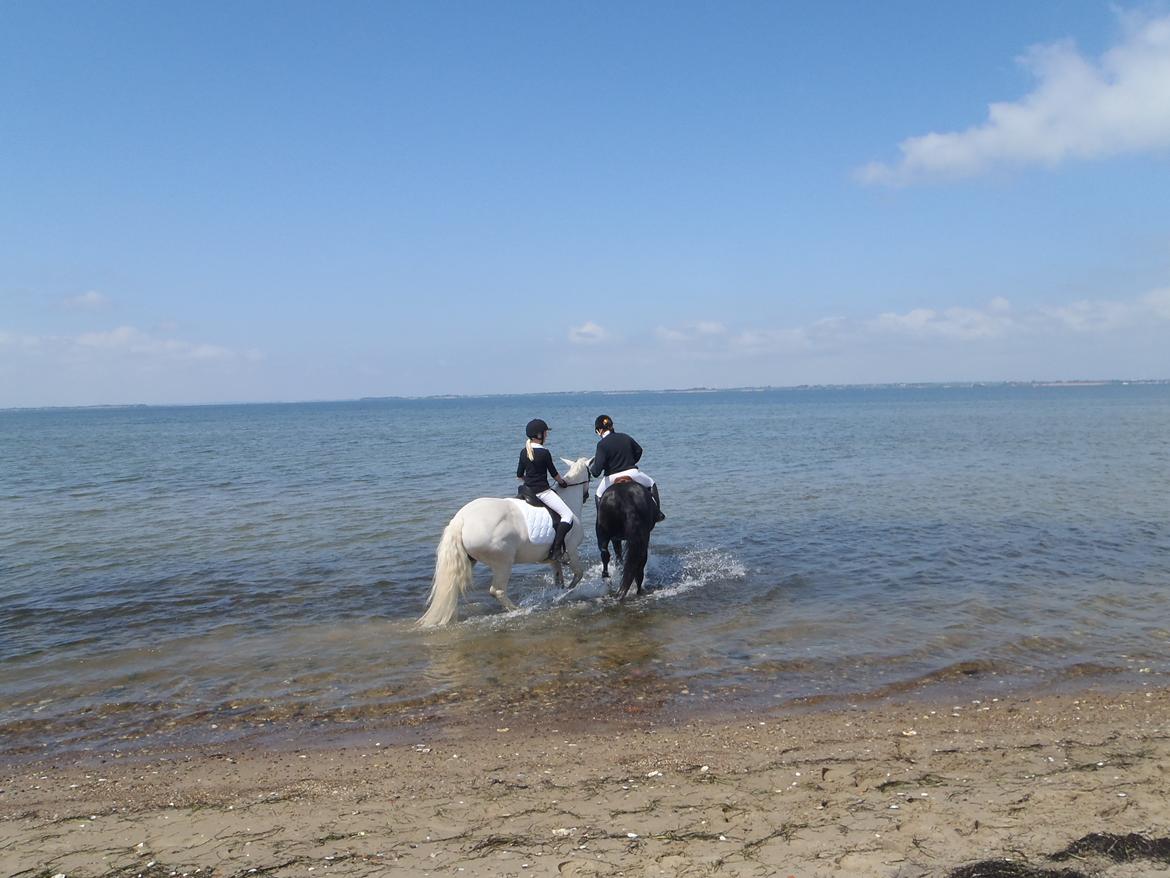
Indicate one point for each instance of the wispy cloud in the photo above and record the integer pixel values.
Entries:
(997, 319)
(123, 341)
(128, 340)
(587, 333)
(956, 323)
(1079, 109)
(690, 333)
(88, 301)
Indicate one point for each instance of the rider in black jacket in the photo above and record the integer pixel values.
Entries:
(618, 455)
(535, 466)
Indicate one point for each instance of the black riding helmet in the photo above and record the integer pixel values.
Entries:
(535, 428)
(603, 422)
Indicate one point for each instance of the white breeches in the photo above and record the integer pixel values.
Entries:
(636, 474)
(552, 500)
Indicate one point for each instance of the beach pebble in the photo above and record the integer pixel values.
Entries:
(654, 774)
(705, 768)
(909, 733)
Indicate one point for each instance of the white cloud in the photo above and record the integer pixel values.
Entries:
(1078, 110)
(89, 301)
(960, 323)
(128, 340)
(691, 332)
(121, 342)
(587, 333)
(1159, 303)
(1096, 316)
(998, 319)
(670, 335)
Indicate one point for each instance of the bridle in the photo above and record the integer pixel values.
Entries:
(585, 482)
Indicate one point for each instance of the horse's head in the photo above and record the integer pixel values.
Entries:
(577, 478)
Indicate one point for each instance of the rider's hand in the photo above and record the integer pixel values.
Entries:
(562, 482)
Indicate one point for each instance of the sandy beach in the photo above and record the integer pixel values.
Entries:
(966, 787)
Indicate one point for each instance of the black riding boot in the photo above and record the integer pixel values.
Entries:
(558, 544)
(657, 503)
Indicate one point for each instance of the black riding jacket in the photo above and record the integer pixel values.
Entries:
(615, 453)
(535, 472)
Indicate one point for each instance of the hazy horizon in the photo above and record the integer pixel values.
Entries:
(743, 388)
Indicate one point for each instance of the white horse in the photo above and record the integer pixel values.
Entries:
(495, 532)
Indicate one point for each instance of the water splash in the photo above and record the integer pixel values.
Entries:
(690, 570)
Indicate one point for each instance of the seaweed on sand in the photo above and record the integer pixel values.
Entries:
(1010, 869)
(1119, 848)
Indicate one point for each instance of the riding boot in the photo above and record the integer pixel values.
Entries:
(558, 544)
(657, 503)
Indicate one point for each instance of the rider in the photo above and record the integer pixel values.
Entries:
(536, 465)
(617, 455)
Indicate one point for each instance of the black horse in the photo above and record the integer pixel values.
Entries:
(626, 512)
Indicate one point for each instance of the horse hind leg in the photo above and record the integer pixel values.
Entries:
(634, 568)
(576, 565)
(603, 547)
(501, 573)
(629, 571)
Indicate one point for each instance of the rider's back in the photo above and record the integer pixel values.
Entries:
(616, 452)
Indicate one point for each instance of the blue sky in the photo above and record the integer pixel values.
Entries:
(286, 201)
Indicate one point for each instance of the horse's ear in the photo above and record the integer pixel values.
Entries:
(567, 462)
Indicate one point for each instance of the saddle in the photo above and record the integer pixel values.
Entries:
(526, 494)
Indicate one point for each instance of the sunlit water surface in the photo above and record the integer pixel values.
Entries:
(216, 571)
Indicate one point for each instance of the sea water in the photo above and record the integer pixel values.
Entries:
(221, 570)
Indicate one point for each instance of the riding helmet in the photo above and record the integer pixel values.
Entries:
(603, 422)
(535, 427)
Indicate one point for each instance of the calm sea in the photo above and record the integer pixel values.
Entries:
(214, 572)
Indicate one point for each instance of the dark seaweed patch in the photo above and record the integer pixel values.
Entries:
(1009, 869)
(1119, 848)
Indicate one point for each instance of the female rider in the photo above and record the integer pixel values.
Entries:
(536, 465)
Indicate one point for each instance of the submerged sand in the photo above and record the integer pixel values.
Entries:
(910, 789)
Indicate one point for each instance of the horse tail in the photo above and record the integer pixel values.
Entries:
(452, 577)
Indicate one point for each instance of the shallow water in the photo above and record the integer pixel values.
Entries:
(182, 568)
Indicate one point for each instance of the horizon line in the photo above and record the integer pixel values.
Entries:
(760, 388)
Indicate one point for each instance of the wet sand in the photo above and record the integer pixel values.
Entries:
(907, 789)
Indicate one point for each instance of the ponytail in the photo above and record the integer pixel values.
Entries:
(528, 448)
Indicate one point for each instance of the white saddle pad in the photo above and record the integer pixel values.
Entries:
(540, 527)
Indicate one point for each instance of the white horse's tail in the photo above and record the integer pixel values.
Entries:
(452, 577)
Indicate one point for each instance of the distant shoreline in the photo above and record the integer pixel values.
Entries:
(900, 385)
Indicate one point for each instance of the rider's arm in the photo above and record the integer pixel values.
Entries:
(552, 470)
(597, 466)
(637, 450)
(520, 467)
